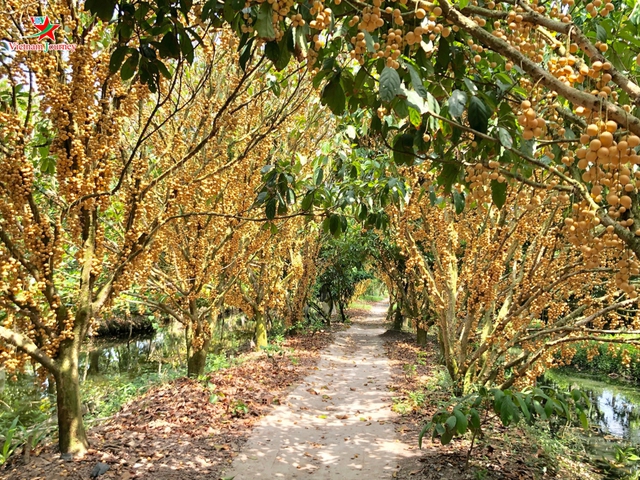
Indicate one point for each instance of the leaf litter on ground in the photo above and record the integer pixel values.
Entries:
(183, 429)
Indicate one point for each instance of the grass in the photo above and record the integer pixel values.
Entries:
(25, 411)
(372, 298)
(360, 305)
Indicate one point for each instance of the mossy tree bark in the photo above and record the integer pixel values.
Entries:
(94, 362)
(197, 358)
(398, 318)
(261, 330)
(421, 336)
(72, 434)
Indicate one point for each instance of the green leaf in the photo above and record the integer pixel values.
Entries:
(389, 84)
(272, 51)
(474, 419)
(424, 430)
(185, 6)
(457, 103)
(458, 201)
(416, 101)
(478, 114)
(444, 55)
(307, 201)
(601, 33)
(104, 9)
(414, 117)
(300, 40)
(245, 54)
(539, 410)
(498, 193)
(334, 225)
(403, 149)
(448, 176)
(461, 421)
(416, 81)
(432, 104)
(318, 176)
(451, 422)
(369, 41)
(117, 58)
(505, 137)
(462, 4)
(270, 209)
(169, 46)
(186, 47)
(634, 16)
(446, 437)
(333, 96)
(523, 407)
(471, 86)
(129, 68)
(583, 419)
(163, 69)
(264, 23)
(401, 107)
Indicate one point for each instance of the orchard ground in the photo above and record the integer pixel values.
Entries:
(348, 404)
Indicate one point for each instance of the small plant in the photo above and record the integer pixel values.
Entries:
(294, 360)
(239, 408)
(417, 398)
(627, 455)
(475, 410)
(409, 370)
(217, 362)
(421, 359)
(8, 447)
(275, 353)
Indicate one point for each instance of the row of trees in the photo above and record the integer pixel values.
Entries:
(112, 186)
(169, 156)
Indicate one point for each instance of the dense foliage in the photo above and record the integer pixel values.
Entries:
(481, 156)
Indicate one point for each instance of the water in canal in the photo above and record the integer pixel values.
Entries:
(615, 414)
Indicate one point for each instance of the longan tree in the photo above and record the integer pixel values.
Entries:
(518, 83)
(85, 191)
(204, 251)
(505, 287)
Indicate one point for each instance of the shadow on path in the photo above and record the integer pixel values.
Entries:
(337, 424)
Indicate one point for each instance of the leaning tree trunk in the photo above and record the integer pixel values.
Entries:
(72, 435)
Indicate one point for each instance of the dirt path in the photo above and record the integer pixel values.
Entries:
(337, 424)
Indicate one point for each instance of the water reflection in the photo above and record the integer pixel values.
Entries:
(132, 356)
(616, 414)
(615, 406)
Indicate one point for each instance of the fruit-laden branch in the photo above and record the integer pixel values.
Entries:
(568, 29)
(537, 73)
(25, 345)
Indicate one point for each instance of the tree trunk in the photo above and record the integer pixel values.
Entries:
(421, 337)
(72, 435)
(197, 360)
(261, 330)
(342, 315)
(398, 318)
(94, 362)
